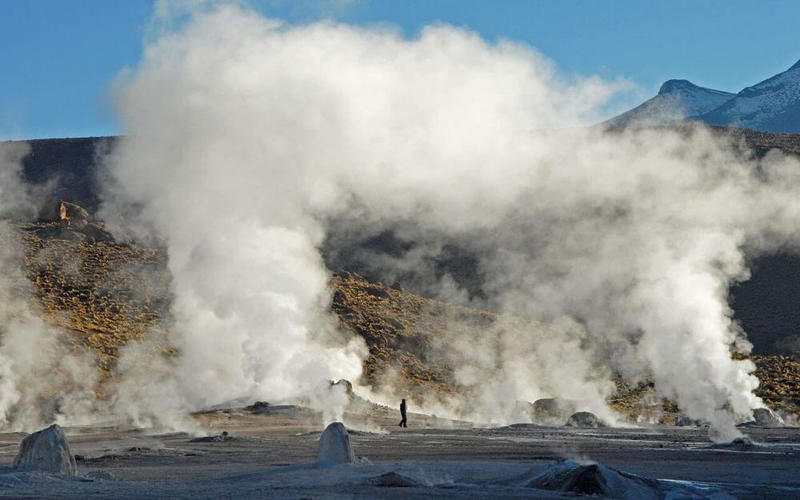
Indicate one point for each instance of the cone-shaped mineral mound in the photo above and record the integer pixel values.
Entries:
(334, 446)
(46, 450)
(595, 479)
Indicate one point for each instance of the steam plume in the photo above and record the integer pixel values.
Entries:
(246, 138)
(41, 378)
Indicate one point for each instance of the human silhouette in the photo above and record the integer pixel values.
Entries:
(403, 413)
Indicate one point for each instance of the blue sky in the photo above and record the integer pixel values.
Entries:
(58, 57)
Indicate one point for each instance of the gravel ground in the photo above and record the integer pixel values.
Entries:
(271, 455)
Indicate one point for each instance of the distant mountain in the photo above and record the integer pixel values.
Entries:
(770, 106)
(676, 100)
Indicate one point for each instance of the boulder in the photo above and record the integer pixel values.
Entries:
(73, 223)
(595, 479)
(46, 450)
(767, 418)
(73, 214)
(584, 420)
(552, 410)
(346, 384)
(334, 446)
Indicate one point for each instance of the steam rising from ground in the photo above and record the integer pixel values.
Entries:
(41, 378)
(247, 138)
(248, 142)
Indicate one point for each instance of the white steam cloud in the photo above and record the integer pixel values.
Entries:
(246, 138)
(42, 378)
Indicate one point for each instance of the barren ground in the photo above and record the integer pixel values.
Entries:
(271, 455)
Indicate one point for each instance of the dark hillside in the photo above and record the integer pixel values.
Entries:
(71, 164)
(761, 142)
(767, 306)
(104, 294)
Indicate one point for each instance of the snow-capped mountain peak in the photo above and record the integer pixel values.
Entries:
(676, 100)
(676, 86)
(694, 100)
(772, 105)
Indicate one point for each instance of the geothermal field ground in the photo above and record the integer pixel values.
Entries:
(104, 294)
(298, 225)
(271, 452)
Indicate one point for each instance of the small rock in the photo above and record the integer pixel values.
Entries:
(767, 418)
(377, 292)
(348, 386)
(46, 450)
(258, 407)
(99, 475)
(687, 422)
(742, 443)
(584, 420)
(392, 480)
(213, 439)
(334, 445)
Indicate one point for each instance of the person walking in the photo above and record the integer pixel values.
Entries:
(403, 413)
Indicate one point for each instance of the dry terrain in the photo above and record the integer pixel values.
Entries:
(271, 453)
(105, 294)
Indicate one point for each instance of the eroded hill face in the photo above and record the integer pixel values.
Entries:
(765, 305)
(404, 333)
(103, 294)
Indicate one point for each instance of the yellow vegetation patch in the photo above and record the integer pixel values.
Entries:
(104, 294)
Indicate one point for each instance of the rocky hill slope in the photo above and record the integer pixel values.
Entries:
(103, 294)
(92, 287)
